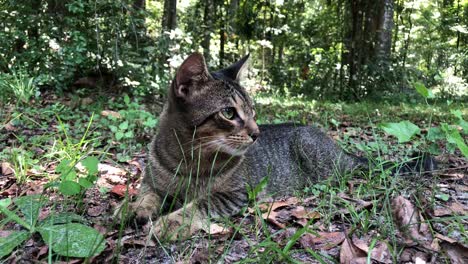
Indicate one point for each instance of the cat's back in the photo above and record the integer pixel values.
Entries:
(292, 154)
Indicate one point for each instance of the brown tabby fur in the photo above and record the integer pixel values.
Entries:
(203, 158)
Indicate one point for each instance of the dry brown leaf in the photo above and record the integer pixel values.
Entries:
(379, 253)
(278, 204)
(445, 238)
(111, 113)
(7, 169)
(457, 253)
(121, 190)
(453, 208)
(322, 240)
(407, 218)
(218, 230)
(349, 253)
(270, 214)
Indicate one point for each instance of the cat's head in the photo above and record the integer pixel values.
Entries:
(215, 105)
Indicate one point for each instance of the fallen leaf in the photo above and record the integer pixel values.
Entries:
(349, 253)
(111, 113)
(379, 253)
(322, 240)
(96, 210)
(407, 218)
(270, 210)
(457, 253)
(453, 208)
(7, 169)
(218, 230)
(121, 190)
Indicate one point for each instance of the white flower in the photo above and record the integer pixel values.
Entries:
(54, 45)
(120, 63)
(265, 43)
(175, 61)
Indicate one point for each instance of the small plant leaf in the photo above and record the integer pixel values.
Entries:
(62, 218)
(434, 134)
(10, 242)
(30, 206)
(422, 90)
(73, 240)
(129, 134)
(123, 125)
(403, 130)
(85, 183)
(5, 202)
(91, 164)
(69, 188)
(119, 135)
(454, 137)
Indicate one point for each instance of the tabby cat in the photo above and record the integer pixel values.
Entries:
(209, 149)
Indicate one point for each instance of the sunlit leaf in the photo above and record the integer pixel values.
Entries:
(30, 206)
(69, 187)
(7, 244)
(73, 240)
(91, 164)
(422, 90)
(403, 130)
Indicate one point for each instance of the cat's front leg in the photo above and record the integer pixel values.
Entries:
(180, 224)
(195, 216)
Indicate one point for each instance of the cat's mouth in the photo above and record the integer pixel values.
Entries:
(233, 145)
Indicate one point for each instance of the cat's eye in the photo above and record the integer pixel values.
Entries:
(228, 113)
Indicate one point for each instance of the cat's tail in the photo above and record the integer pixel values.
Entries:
(418, 163)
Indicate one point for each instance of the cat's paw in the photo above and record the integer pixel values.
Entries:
(175, 226)
(127, 211)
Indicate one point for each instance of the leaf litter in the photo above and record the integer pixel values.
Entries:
(422, 236)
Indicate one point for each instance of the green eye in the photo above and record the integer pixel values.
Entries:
(228, 113)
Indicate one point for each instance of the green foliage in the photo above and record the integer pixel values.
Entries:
(62, 236)
(70, 181)
(17, 87)
(132, 119)
(403, 130)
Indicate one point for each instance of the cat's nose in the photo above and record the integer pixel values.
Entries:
(254, 136)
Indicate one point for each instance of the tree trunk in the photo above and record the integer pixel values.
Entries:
(384, 37)
(222, 36)
(207, 23)
(169, 20)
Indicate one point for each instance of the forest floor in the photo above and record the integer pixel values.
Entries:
(370, 217)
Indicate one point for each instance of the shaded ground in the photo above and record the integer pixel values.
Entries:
(406, 218)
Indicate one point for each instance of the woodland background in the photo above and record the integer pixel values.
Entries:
(82, 83)
(333, 49)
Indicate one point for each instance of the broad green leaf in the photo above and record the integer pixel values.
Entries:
(119, 135)
(5, 202)
(457, 113)
(62, 218)
(85, 183)
(63, 167)
(113, 128)
(69, 188)
(126, 99)
(454, 136)
(30, 206)
(73, 240)
(435, 133)
(69, 176)
(91, 164)
(123, 125)
(7, 244)
(403, 130)
(422, 90)
(461, 121)
(129, 134)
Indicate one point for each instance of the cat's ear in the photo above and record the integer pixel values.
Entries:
(235, 71)
(192, 70)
